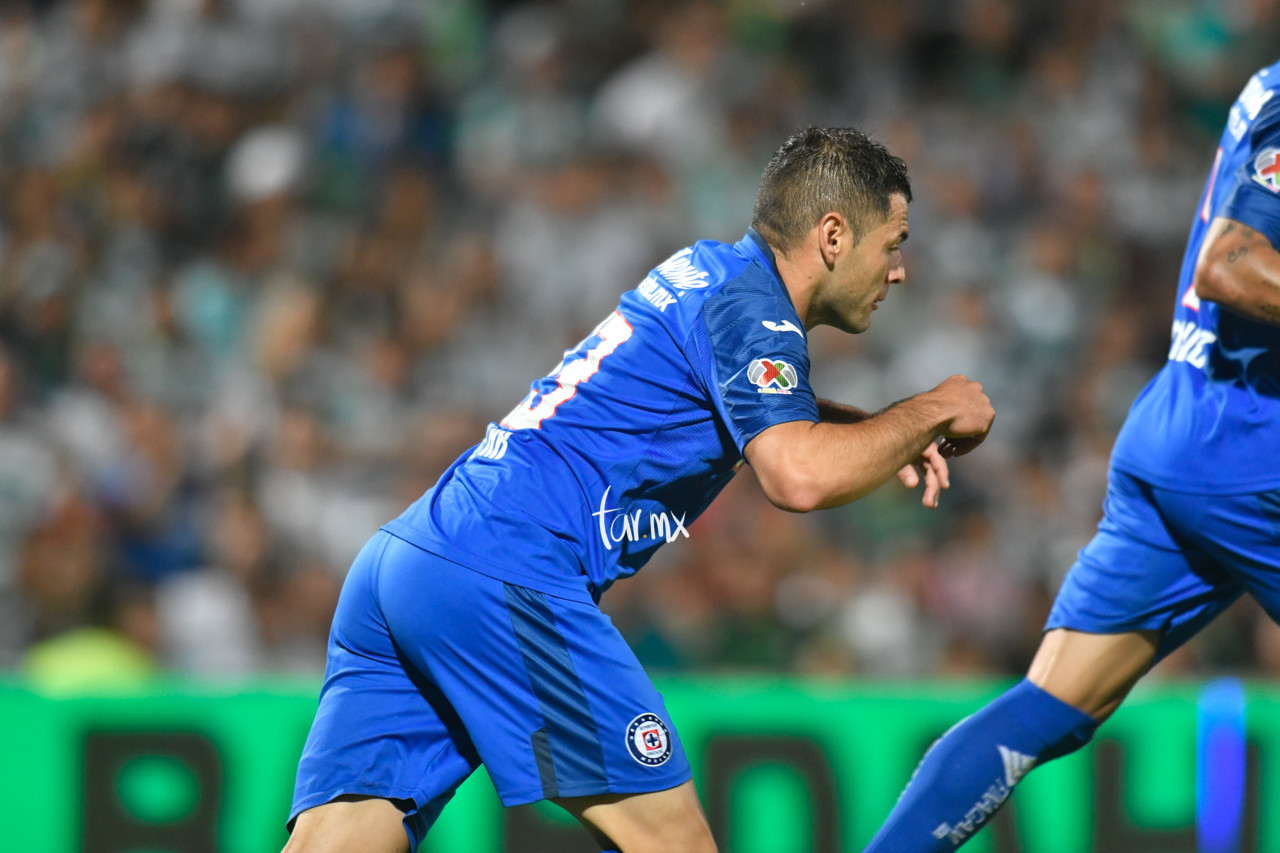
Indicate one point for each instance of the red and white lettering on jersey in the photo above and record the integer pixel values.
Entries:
(1191, 299)
(1207, 208)
(613, 332)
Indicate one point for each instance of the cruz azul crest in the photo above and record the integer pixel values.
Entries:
(648, 740)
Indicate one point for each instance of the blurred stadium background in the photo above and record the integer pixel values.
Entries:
(268, 266)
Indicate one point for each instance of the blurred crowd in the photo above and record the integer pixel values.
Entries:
(268, 266)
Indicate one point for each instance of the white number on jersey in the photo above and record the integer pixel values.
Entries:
(613, 332)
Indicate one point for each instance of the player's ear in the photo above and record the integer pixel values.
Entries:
(833, 235)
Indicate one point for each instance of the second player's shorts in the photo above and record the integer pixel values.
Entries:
(434, 668)
(1171, 561)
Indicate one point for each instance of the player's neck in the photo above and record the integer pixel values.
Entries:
(801, 277)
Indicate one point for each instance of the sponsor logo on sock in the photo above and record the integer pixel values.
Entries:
(1016, 764)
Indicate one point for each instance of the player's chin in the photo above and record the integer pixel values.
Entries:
(855, 324)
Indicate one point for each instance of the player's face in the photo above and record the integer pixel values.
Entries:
(865, 273)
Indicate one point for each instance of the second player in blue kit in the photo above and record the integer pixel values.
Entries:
(468, 630)
(1192, 513)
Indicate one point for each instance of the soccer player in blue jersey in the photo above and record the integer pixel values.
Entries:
(468, 630)
(1192, 513)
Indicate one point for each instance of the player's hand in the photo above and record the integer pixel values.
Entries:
(953, 447)
(970, 413)
(931, 466)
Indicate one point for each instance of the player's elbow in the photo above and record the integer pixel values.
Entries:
(1226, 265)
(793, 492)
(786, 464)
(790, 481)
(1213, 278)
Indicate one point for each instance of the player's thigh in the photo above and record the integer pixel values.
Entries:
(1241, 532)
(670, 821)
(1141, 573)
(350, 825)
(553, 699)
(382, 729)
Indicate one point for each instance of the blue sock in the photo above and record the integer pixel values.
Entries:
(971, 770)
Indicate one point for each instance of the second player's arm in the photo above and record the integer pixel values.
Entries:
(1239, 269)
(804, 466)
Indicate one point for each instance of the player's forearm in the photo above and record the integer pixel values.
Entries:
(820, 465)
(865, 454)
(1240, 270)
(838, 413)
(802, 465)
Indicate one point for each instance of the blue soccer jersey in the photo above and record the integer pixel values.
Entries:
(625, 442)
(1209, 422)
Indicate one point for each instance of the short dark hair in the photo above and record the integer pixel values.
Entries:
(821, 169)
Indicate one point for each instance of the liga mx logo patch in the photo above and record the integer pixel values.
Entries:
(648, 740)
(772, 377)
(1266, 168)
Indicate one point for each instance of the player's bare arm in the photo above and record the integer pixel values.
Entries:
(930, 467)
(839, 413)
(803, 466)
(1239, 269)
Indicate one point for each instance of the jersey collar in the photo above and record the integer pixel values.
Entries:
(754, 243)
(754, 240)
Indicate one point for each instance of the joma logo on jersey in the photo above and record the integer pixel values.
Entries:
(772, 377)
(617, 526)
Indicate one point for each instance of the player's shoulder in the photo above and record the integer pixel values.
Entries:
(1257, 108)
(754, 288)
(707, 274)
(753, 309)
(701, 268)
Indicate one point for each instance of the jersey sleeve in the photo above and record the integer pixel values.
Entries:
(754, 362)
(1255, 197)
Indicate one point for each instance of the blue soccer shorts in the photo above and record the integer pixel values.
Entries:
(434, 668)
(1171, 561)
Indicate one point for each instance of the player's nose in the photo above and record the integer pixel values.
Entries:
(897, 272)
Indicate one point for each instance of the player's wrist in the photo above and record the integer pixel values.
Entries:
(931, 412)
